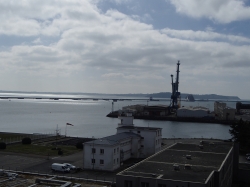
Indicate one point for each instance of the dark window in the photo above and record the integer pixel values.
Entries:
(138, 131)
(114, 151)
(93, 161)
(101, 161)
(144, 184)
(128, 183)
(93, 150)
(101, 151)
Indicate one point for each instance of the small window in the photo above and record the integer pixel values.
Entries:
(101, 161)
(93, 150)
(114, 151)
(93, 161)
(101, 151)
(117, 160)
(117, 149)
(138, 132)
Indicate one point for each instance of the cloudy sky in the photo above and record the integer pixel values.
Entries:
(125, 46)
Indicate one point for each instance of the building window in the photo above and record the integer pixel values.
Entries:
(128, 183)
(114, 151)
(93, 150)
(117, 149)
(138, 132)
(101, 161)
(144, 184)
(93, 161)
(117, 160)
(101, 151)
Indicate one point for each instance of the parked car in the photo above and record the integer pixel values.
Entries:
(70, 166)
(248, 158)
(59, 167)
(248, 154)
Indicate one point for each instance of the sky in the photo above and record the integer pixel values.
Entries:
(125, 46)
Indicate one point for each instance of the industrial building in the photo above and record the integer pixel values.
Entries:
(242, 108)
(208, 164)
(108, 153)
(223, 112)
(145, 110)
(193, 112)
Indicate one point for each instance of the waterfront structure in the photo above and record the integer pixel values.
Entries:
(130, 141)
(242, 108)
(193, 112)
(208, 164)
(145, 110)
(223, 112)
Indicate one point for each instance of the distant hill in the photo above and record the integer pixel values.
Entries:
(184, 95)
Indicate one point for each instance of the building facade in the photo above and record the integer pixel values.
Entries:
(223, 112)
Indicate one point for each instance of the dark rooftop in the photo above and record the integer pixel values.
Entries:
(167, 171)
(215, 147)
(200, 162)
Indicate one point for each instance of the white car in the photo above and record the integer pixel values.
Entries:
(70, 166)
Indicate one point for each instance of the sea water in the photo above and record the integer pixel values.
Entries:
(89, 119)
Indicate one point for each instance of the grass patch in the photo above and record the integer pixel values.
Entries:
(40, 150)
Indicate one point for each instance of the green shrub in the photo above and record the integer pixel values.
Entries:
(60, 152)
(2, 145)
(26, 140)
(79, 145)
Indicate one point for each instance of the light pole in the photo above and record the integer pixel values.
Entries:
(174, 138)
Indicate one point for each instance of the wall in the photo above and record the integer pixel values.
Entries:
(108, 157)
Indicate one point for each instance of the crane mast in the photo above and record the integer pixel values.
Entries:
(176, 95)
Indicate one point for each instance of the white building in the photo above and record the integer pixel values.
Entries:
(129, 142)
(223, 112)
(195, 112)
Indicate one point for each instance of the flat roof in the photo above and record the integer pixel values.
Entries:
(113, 139)
(139, 128)
(202, 162)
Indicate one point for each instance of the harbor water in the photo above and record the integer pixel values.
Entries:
(89, 118)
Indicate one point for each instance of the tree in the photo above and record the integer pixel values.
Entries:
(240, 132)
(2, 145)
(79, 145)
(26, 140)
